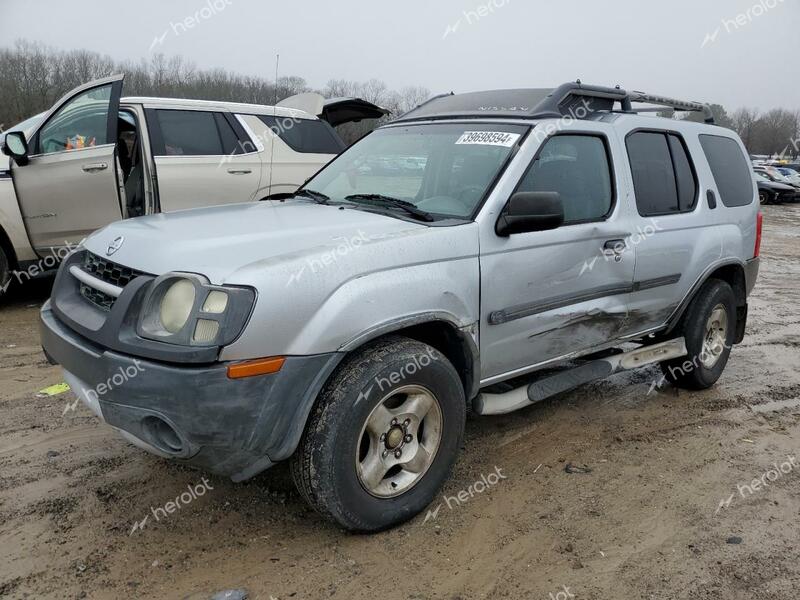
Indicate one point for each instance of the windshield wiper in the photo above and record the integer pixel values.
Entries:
(318, 197)
(392, 202)
(315, 196)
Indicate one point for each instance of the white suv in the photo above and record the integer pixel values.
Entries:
(96, 158)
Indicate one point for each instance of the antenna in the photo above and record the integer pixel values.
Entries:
(275, 118)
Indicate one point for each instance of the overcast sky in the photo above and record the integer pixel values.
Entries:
(659, 47)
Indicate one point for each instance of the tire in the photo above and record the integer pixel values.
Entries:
(5, 274)
(332, 466)
(764, 197)
(704, 331)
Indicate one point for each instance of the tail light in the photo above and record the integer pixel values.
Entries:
(759, 226)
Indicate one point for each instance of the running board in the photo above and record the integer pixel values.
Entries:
(500, 404)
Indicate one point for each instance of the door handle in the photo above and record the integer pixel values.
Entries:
(617, 246)
(239, 171)
(95, 167)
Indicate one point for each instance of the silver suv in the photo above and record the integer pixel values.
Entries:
(484, 252)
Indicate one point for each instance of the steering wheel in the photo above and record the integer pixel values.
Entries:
(476, 190)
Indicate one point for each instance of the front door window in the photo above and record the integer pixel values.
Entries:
(80, 123)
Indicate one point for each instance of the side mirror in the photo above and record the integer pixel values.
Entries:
(16, 146)
(531, 211)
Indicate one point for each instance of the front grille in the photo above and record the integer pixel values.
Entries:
(96, 297)
(109, 272)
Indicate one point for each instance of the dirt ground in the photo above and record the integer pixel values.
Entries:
(663, 512)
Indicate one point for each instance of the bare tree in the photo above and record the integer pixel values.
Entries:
(33, 77)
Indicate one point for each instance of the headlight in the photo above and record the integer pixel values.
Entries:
(177, 304)
(184, 309)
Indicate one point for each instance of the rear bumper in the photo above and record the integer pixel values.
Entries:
(194, 414)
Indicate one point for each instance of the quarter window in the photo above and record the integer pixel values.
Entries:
(730, 169)
(309, 136)
(579, 169)
(663, 176)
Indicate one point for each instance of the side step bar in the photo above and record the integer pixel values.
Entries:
(500, 404)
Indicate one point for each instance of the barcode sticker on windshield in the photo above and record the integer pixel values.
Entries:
(489, 138)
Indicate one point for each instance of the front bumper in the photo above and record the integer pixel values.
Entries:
(194, 414)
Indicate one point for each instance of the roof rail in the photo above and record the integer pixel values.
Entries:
(574, 99)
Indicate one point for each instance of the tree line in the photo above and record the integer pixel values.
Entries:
(33, 77)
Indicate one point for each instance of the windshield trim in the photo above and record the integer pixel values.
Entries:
(439, 217)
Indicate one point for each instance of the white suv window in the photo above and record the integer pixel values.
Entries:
(189, 133)
(81, 123)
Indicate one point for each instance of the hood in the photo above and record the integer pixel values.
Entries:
(5, 163)
(220, 241)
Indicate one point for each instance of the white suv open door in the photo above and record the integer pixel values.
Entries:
(69, 187)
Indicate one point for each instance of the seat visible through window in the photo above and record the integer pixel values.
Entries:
(578, 168)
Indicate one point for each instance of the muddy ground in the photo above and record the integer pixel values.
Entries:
(659, 515)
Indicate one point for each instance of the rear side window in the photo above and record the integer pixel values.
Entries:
(730, 169)
(663, 175)
(230, 141)
(189, 133)
(578, 168)
(305, 135)
(684, 173)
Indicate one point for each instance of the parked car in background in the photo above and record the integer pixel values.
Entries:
(773, 192)
(96, 158)
(351, 328)
(774, 174)
(791, 175)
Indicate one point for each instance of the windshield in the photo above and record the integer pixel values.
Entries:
(442, 169)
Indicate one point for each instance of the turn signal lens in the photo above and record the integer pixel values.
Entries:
(251, 368)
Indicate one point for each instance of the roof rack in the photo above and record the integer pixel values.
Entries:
(570, 99)
(680, 105)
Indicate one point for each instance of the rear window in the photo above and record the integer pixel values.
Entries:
(305, 135)
(730, 169)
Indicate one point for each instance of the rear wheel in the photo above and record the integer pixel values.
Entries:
(709, 329)
(383, 437)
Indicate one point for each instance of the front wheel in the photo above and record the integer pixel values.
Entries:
(764, 197)
(383, 437)
(5, 274)
(709, 328)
